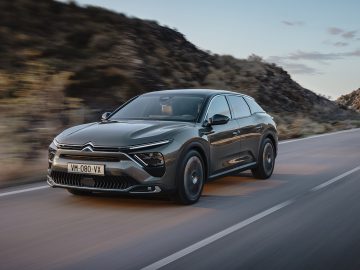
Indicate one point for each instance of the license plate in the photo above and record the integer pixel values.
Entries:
(86, 168)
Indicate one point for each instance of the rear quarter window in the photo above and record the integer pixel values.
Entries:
(254, 107)
(238, 106)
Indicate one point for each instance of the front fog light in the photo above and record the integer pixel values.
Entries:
(154, 159)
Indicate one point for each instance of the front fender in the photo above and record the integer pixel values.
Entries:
(199, 144)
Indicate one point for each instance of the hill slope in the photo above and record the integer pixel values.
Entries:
(351, 100)
(61, 64)
(110, 55)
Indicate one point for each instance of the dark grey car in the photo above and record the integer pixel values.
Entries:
(167, 141)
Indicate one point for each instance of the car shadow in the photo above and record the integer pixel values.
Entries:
(233, 186)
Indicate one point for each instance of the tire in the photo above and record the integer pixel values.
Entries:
(266, 160)
(79, 192)
(191, 178)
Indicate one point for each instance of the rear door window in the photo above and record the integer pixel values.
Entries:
(218, 105)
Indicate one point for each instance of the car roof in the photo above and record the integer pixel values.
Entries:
(205, 92)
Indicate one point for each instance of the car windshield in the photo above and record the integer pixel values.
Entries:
(169, 107)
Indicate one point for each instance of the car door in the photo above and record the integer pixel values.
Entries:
(249, 131)
(223, 139)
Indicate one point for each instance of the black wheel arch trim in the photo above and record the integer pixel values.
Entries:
(201, 147)
(272, 135)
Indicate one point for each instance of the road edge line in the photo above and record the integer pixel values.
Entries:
(22, 191)
(335, 179)
(202, 243)
(209, 240)
(320, 135)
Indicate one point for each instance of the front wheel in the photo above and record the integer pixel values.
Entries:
(266, 160)
(190, 181)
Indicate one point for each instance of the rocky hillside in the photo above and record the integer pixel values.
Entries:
(61, 64)
(105, 58)
(351, 100)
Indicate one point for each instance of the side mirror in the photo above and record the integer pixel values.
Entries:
(218, 119)
(105, 116)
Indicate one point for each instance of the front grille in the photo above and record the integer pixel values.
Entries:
(106, 149)
(100, 182)
(93, 158)
(70, 147)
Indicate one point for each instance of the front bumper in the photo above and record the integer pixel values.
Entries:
(123, 173)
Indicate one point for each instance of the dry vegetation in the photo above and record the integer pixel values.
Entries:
(61, 64)
(351, 101)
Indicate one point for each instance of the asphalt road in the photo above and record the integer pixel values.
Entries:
(307, 216)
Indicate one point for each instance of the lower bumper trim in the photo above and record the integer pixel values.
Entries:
(136, 189)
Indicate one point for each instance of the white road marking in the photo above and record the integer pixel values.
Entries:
(320, 135)
(177, 255)
(215, 237)
(21, 191)
(335, 179)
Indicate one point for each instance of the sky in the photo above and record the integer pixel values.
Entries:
(317, 42)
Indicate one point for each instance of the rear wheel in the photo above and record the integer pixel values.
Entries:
(190, 181)
(266, 160)
(79, 192)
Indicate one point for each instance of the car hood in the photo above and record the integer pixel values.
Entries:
(121, 134)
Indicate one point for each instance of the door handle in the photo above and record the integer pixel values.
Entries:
(237, 132)
(258, 127)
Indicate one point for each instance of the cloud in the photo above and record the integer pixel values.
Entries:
(341, 32)
(335, 30)
(313, 56)
(340, 44)
(292, 61)
(297, 68)
(353, 53)
(293, 23)
(349, 34)
(293, 68)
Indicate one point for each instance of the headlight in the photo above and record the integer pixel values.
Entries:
(52, 151)
(147, 145)
(51, 154)
(153, 159)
